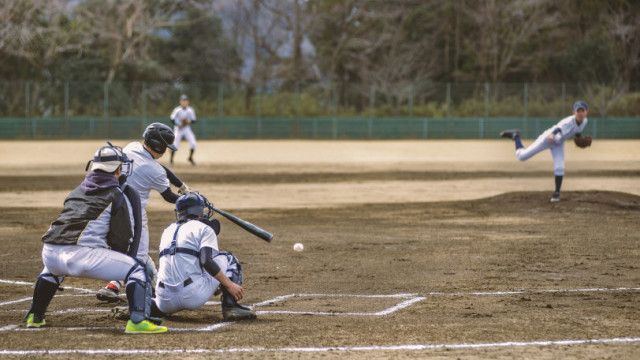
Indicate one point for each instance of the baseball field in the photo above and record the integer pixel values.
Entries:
(412, 249)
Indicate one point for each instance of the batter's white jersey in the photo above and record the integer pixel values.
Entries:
(193, 235)
(147, 175)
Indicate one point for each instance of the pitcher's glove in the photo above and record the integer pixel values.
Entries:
(582, 141)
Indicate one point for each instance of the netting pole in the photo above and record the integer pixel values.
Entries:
(26, 107)
(526, 100)
(564, 95)
(487, 89)
(66, 108)
(448, 95)
(144, 106)
(259, 112)
(334, 101)
(220, 99)
(105, 108)
(412, 92)
(372, 105)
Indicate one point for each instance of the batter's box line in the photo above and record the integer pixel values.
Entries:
(410, 299)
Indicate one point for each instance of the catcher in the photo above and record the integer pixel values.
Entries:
(192, 267)
(553, 139)
(182, 117)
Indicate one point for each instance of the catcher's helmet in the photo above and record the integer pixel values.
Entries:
(109, 158)
(159, 137)
(192, 206)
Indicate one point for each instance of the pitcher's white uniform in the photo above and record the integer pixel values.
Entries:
(182, 283)
(147, 175)
(568, 129)
(182, 118)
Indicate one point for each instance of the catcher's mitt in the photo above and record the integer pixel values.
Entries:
(583, 141)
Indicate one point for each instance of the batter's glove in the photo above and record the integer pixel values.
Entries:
(184, 189)
(583, 141)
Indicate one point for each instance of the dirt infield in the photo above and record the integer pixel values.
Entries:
(448, 261)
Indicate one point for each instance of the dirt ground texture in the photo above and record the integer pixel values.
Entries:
(449, 224)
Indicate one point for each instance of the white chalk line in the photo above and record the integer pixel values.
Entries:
(365, 348)
(26, 299)
(4, 303)
(534, 291)
(402, 305)
(16, 282)
(383, 312)
(433, 293)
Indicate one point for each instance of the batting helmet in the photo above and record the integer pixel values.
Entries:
(192, 205)
(159, 137)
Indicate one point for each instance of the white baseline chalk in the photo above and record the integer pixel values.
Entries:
(365, 348)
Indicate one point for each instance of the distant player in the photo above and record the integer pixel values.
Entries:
(96, 236)
(553, 139)
(148, 175)
(192, 266)
(182, 117)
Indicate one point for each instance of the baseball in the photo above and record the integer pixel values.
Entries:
(298, 247)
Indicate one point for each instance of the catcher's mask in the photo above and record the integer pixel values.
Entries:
(109, 158)
(192, 205)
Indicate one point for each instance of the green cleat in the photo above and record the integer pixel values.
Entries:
(144, 327)
(34, 321)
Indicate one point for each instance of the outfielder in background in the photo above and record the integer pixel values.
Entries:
(192, 266)
(182, 117)
(148, 174)
(553, 139)
(96, 236)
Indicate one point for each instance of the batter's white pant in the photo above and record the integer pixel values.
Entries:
(175, 297)
(95, 263)
(541, 143)
(186, 133)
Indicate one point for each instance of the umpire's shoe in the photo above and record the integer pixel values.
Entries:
(35, 321)
(144, 327)
(238, 312)
(511, 134)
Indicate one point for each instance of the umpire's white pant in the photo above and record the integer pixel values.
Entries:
(172, 298)
(541, 143)
(186, 133)
(95, 263)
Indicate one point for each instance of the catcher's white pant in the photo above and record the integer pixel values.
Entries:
(175, 297)
(186, 133)
(541, 143)
(95, 263)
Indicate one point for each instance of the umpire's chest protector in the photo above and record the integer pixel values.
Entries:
(81, 208)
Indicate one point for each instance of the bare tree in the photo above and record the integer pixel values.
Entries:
(502, 28)
(39, 32)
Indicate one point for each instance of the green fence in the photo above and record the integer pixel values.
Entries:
(308, 128)
(317, 110)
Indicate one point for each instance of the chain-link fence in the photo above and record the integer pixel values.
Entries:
(71, 109)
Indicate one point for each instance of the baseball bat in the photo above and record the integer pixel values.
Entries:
(254, 229)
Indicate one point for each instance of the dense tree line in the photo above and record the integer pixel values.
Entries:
(346, 47)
